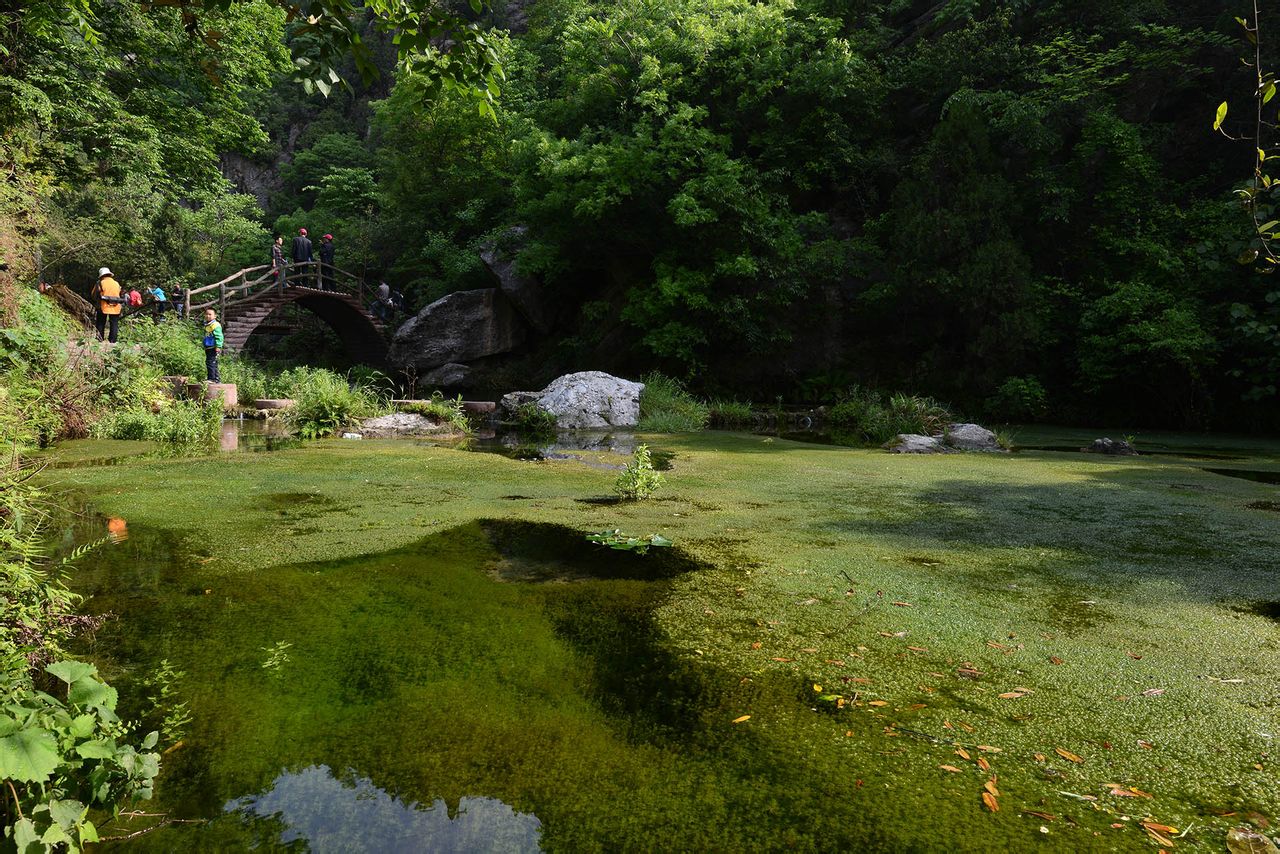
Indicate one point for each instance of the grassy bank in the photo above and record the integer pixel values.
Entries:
(1029, 611)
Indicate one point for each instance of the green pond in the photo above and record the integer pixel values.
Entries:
(395, 647)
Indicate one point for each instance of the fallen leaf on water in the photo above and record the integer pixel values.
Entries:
(903, 604)
(1078, 797)
(953, 769)
(963, 754)
(986, 748)
(776, 658)
(1157, 826)
(1012, 695)
(918, 648)
(892, 634)
(995, 645)
(878, 703)
(984, 764)
(947, 725)
(1040, 757)
(1163, 840)
(860, 680)
(1153, 692)
(835, 661)
(741, 719)
(991, 802)
(1129, 792)
(1133, 655)
(848, 733)
(1241, 840)
(915, 706)
(1053, 659)
(990, 786)
(1067, 754)
(964, 726)
(1116, 825)
(757, 645)
(1145, 745)
(1042, 815)
(809, 649)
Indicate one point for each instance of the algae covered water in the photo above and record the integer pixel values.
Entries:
(496, 687)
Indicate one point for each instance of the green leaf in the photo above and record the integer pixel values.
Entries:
(100, 748)
(1268, 93)
(71, 671)
(1222, 115)
(92, 693)
(1267, 226)
(67, 813)
(150, 741)
(29, 756)
(24, 834)
(83, 725)
(88, 833)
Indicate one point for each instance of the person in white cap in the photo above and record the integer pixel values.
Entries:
(107, 294)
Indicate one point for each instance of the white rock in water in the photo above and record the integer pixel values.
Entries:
(971, 437)
(911, 443)
(352, 436)
(588, 400)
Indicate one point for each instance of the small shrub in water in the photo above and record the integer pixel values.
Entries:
(666, 407)
(533, 419)
(182, 423)
(327, 403)
(638, 480)
(730, 413)
(441, 410)
(873, 420)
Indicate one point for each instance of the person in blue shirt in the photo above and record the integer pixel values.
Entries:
(161, 301)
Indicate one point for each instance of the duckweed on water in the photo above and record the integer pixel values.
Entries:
(1023, 604)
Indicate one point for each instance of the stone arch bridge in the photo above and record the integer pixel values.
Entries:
(245, 299)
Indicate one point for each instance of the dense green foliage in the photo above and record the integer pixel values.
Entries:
(441, 410)
(868, 417)
(326, 403)
(63, 750)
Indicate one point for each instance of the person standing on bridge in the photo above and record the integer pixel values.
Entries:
(302, 252)
(278, 265)
(326, 264)
(212, 344)
(108, 306)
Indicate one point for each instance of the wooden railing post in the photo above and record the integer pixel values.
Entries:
(222, 301)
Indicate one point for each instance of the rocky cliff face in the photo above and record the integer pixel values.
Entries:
(256, 179)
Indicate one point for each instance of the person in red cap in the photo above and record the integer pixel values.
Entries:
(326, 263)
(302, 254)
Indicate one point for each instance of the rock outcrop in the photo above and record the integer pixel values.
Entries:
(1111, 447)
(588, 400)
(400, 424)
(457, 328)
(912, 443)
(525, 292)
(957, 437)
(451, 375)
(970, 437)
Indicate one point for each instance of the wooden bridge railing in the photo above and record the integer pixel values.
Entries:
(251, 282)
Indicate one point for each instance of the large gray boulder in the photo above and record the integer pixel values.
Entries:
(451, 375)
(524, 292)
(1113, 447)
(460, 327)
(971, 437)
(911, 443)
(588, 400)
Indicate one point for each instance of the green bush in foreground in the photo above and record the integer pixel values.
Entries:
(667, 407)
(182, 423)
(441, 410)
(639, 479)
(871, 418)
(63, 750)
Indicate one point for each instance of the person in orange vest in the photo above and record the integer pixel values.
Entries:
(109, 302)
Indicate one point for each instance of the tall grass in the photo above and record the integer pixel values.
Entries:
(180, 424)
(667, 407)
(328, 403)
(730, 413)
(870, 417)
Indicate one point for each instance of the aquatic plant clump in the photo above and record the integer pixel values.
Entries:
(441, 410)
(619, 541)
(639, 480)
(667, 407)
(181, 423)
(328, 403)
(875, 419)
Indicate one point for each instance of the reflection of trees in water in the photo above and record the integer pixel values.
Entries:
(324, 813)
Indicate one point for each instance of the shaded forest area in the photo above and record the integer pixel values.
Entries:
(1015, 206)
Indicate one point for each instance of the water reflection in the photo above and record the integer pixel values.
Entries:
(327, 814)
(117, 529)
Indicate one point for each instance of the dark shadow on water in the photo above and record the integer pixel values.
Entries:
(1271, 477)
(530, 551)
(1272, 506)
